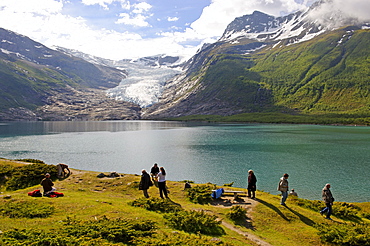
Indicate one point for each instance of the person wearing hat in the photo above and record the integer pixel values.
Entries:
(252, 180)
(47, 184)
(283, 187)
(328, 199)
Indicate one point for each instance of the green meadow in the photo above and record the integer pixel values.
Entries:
(113, 211)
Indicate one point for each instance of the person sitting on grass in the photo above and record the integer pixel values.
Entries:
(47, 184)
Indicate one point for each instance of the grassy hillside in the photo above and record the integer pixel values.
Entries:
(100, 211)
(328, 74)
(323, 80)
(25, 84)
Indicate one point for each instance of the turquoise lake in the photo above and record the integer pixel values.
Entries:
(312, 155)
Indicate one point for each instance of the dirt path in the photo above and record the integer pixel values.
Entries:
(248, 204)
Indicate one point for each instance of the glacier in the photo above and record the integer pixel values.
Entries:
(143, 84)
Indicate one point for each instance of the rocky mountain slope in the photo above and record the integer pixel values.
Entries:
(293, 64)
(32, 76)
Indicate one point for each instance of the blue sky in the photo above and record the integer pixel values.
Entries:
(121, 29)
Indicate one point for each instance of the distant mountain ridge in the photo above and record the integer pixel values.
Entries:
(291, 64)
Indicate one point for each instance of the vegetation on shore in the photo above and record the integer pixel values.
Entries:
(323, 119)
(112, 211)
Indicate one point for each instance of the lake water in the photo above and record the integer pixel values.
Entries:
(218, 153)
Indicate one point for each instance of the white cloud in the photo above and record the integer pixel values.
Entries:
(138, 15)
(104, 3)
(333, 12)
(36, 7)
(172, 19)
(142, 7)
(137, 20)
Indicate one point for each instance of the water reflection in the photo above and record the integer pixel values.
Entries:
(50, 127)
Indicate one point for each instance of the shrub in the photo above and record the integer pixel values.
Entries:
(113, 230)
(180, 239)
(31, 161)
(314, 205)
(37, 237)
(345, 210)
(5, 173)
(156, 204)
(194, 222)
(345, 234)
(29, 175)
(340, 209)
(26, 209)
(200, 194)
(236, 213)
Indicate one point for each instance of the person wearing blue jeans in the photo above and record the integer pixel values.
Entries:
(328, 199)
(283, 187)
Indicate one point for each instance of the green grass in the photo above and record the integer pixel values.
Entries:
(325, 119)
(89, 201)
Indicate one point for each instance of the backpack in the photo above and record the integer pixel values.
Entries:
(54, 194)
(187, 185)
(35, 193)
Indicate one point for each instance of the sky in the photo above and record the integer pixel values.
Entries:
(129, 29)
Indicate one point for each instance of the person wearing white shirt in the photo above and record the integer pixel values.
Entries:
(162, 182)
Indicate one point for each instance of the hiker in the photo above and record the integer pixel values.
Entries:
(47, 184)
(283, 187)
(62, 170)
(293, 193)
(162, 182)
(154, 170)
(252, 180)
(145, 183)
(328, 199)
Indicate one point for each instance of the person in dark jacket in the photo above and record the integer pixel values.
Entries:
(47, 184)
(145, 183)
(252, 180)
(328, 199)
(154, 170)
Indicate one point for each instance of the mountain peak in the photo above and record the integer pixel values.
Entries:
(296, 27)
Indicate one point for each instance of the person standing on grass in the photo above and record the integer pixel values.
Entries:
(145, 183)
(252, 180)
(283, 187)
(328, 199)
(154, 170)
(162, 182)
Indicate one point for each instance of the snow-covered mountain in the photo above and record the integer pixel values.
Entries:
(293, 28)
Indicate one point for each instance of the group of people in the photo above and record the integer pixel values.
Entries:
(283, 187)
(157, 176)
